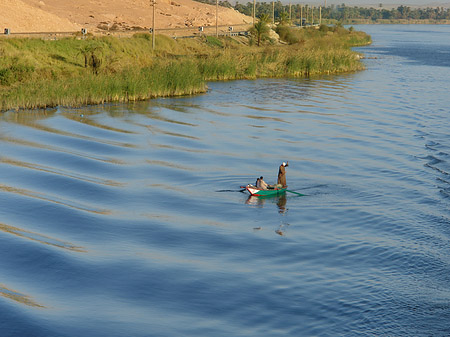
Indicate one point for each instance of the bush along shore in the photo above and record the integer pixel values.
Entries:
(37, 73)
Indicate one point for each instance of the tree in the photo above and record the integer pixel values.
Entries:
(283, 19)
(91, 52)
(264, 18)
(260, 29)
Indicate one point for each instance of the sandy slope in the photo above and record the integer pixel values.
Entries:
(69, 15)
(20, 16)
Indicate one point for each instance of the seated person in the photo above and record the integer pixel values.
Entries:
(262, 184)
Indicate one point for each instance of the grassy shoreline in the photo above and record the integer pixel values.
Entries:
(389, 22)
(73, 72)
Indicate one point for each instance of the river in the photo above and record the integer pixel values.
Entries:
(128, 219)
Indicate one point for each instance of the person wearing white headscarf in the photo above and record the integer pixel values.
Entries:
(282, 174)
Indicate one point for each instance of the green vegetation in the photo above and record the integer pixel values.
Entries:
(347, 14)
(37, 73)
(342, 13)
(260, 30)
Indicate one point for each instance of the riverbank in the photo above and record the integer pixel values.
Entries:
(348, 22)
(37, 73)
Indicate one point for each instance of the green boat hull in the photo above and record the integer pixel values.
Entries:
(265, 193)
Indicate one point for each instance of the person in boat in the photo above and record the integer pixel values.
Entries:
(257, 182)
(281, 182)
(262, 184)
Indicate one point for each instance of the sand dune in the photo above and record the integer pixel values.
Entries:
(98, 15)
(20, 16)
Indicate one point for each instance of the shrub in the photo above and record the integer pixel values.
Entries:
(323, 28)
(213, 41)
(287, 34)
(15, 73)
(145, 36)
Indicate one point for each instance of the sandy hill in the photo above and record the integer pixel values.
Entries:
(96, 15)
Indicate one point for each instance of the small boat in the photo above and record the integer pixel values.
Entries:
(253, 190)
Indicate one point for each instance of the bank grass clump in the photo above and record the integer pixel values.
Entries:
(162, 79)
(322, 62)
(36, 73)
(214, 41)
(288, 34)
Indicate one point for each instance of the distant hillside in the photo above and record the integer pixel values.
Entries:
(68, 15)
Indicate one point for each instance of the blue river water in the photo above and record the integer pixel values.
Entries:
(129, 220)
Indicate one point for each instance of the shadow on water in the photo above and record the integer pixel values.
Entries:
(280, 201)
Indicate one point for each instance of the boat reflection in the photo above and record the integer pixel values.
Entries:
(259, 201)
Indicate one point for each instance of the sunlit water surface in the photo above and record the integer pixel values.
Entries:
(128, 220)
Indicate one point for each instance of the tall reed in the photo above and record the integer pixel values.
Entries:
(37, 74)
(132, 84)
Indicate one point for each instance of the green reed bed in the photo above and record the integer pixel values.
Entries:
(70, 72)
(129, 84)
(322, 62)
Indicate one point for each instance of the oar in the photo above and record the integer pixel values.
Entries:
(296, 193)
(243, 189)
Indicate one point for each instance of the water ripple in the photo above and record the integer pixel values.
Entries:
(55, 200)
(128, 220)
(52, 148)
(59, 172)
(18, 297)
(39, 238)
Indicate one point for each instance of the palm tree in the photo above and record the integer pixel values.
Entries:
(264, 18)
(283, 19)
(85, 51)
(90, 53)
(260, 29)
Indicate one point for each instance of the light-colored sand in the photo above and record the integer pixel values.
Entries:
(69, 15)
(20, 16)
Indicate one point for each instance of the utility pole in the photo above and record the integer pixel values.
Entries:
(320, 15)
(312, 16)
(301, 15)
(306, 15)
(217, 18)
(254, 11)
(290, 12)
(153, 24)
(273, 12)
